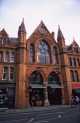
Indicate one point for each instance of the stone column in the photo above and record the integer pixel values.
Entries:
(46, 101)
(62, 88)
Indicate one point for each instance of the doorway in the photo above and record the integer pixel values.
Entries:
(36, 97)
(54, 96)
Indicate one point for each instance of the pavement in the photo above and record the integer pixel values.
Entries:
(50, 114)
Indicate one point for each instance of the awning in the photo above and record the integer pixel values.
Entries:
(76, 91)
(36, 86)
(75, 85)
(55, 86)
(49, 85)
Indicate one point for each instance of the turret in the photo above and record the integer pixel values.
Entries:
(60, 38)
(22, 32)
(21, 88)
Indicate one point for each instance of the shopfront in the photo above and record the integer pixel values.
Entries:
(36, 89)
(54, 89)
(7, 97)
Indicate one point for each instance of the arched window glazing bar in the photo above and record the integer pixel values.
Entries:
(44, 53)
(55, 50)
(36, 78)
(32, 53)
(53, 78)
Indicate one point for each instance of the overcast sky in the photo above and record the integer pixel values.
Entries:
(66, 13)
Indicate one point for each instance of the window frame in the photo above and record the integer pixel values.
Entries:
(43, 53)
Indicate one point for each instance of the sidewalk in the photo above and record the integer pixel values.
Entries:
(29, 109)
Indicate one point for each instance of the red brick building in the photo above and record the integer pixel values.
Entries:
(39, 70)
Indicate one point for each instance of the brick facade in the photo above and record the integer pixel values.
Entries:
(50, 75)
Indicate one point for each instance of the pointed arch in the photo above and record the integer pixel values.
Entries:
(53, 78)
(36, 78)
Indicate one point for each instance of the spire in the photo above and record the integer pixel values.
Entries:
(60, 34)
(22, 27)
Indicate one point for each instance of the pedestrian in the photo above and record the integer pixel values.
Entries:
(72, 101)
(77, 100)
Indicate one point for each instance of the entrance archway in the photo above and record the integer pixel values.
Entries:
(54, 89)
(36, 95)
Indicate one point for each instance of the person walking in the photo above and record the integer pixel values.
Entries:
(77, 100)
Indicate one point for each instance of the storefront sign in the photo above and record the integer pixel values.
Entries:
(75, 85)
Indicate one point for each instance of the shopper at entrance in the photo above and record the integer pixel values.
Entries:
(73, 100)
(77, 99)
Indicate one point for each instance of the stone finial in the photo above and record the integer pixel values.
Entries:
(60, 34)
(22, 27)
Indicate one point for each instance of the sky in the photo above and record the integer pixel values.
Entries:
(65, 13)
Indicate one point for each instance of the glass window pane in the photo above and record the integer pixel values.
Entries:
(6, 56)
(5, 73)
(53, 79)
(1, 56)
(12, 56)
(31, 54)
(44, 57)
(36, 78)
(11, 73)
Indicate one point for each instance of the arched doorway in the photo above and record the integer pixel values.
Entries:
(54, 89)
(36, 96)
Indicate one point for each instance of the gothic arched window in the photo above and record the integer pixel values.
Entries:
(55, 50)
(53, 78)
(36, 78)
(31, 53)
(44, 55)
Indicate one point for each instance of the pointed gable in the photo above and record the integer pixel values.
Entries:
(74, 44)
(41, 33)
(3, 33)
(42, 28)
